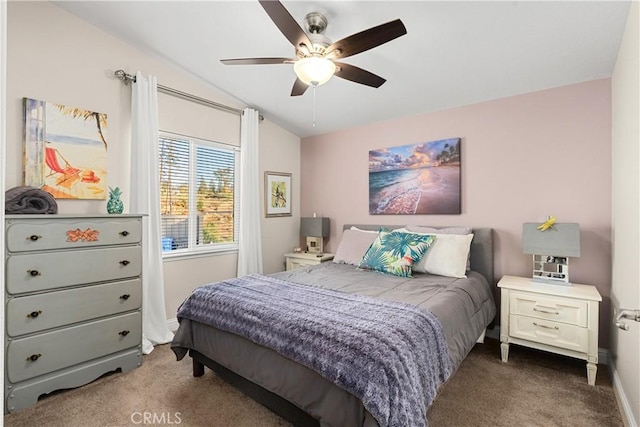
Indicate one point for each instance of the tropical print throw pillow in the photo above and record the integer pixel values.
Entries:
(395, 252)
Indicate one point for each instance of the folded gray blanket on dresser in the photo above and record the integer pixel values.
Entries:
(390, 355)
(29, 200)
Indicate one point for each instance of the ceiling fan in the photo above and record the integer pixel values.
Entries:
(315, 62)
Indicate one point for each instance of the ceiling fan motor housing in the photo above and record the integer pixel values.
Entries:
(316, 22)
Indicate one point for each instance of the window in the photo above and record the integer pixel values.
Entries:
(198, 195)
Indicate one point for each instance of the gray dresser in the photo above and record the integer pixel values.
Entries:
(73, 296)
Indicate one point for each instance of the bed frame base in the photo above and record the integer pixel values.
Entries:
(271, 401)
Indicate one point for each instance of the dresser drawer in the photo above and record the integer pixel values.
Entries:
(557, 309)
(556, 334)
(61, 233)
(66, 347)
(39, 312)
(50, 270)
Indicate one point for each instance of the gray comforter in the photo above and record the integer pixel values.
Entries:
(464, 308)
(391, 355)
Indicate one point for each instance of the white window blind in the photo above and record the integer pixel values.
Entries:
(198, 194)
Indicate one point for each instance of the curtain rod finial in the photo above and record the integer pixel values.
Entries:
(122, 75)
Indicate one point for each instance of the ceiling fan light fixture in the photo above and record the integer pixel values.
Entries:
(314, 70)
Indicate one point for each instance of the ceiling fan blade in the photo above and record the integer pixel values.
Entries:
(285, 23)
(358, 75)
(367, 39)
(299, 87)
(256, 61)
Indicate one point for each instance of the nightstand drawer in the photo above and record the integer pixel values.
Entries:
(305, 259)
(292, 264)
(548, 332)
(557, 309)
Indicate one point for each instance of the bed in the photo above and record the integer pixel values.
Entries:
(463, 306)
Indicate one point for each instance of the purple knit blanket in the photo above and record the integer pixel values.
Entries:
(392, 356)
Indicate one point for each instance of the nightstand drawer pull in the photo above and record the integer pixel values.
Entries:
(34, 357)
(124, 233)
(125, 262)
(545, 311)
(34, 237)
(545, 326)
(33, 273)
(125, 296)
(123, 333)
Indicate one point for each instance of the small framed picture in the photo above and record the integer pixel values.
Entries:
(277, 194)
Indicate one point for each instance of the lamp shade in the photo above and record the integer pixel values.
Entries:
(314, 70)
(563, 239)
(314, 227)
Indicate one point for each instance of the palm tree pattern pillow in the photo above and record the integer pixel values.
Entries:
(395, 253)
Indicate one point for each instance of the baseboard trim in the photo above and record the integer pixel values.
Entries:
(621, 397)
(603, 353)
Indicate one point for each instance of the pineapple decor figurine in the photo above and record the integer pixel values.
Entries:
(115, 205)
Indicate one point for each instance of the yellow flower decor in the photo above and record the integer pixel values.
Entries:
(548, 223)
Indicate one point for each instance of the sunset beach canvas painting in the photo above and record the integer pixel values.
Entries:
(415, 179)
(65, 150)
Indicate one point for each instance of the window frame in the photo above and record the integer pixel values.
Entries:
(193, 250)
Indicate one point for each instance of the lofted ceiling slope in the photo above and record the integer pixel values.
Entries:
(455, 53)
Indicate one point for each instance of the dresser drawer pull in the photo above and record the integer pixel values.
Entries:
(545, 326)
(123, 333)
(34, 314)
(34, 357)
(125, 262)
(125, 296)
(34, 237)
(545, 311)
(124, 233)
(34, 273)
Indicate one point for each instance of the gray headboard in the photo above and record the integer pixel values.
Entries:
(481, 247)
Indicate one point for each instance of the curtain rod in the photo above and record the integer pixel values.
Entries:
(126, 78)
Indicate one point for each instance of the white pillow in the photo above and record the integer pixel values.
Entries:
(353, 245)
(442, 230)
(447, 256)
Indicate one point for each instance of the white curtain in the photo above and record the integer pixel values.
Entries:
(250, 253)
(145, 200)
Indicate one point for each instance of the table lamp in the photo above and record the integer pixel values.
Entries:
(315, 230)
(551, 250)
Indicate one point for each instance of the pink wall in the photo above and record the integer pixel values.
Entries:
(523, 158)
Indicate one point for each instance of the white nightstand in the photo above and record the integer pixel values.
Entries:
(305, 259)
(555, 318)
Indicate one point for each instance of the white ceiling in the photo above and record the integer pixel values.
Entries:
(455, 53)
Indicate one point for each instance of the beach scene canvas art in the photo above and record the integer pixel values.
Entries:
(65, 150)
(415, 179)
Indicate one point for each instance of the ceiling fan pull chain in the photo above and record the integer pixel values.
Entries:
(314, 105)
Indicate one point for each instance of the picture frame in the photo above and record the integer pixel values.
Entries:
(416, 179)
(65, 150)
(277, 194)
